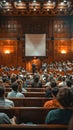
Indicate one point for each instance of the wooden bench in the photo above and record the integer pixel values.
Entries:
(33, 126)
(36, 115)
(29, 101)
(31, 94)
(29, 89)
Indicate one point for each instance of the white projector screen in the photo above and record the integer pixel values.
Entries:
(35, 45)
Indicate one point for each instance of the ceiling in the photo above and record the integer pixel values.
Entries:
(36, 7)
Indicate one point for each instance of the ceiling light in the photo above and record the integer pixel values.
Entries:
(48, 9)
(4, 1)
(49, 1)
(6, 5)
(34, 1)
(34, 9)
(19, 1)
(20, 5)
(49, 5)
(65, 1)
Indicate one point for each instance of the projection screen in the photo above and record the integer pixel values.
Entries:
(35, 45)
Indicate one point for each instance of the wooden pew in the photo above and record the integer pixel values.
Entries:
(29, 101)
(33, 126)
(36, 115)
(29, 89)
(32, 94)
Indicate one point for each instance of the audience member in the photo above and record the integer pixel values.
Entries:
(63, 82)
(33, 68)
(20, 86)
(15, 91)
(36, 82)
(53, 103)
(1, 81)
(48, 89)
(63, 114)
(69, 83)
(4, 102)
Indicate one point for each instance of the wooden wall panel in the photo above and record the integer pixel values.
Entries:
(7, 58)
(61, 28)
(59, 34)
(62, 50)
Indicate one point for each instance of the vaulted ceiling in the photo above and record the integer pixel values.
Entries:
(36, 7)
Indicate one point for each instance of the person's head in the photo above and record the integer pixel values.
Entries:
(65, 97)
(55, 91)
(36, 78)
(63, 78)
(20, 82)
(4, 79)
(69, 83)
(53, 84)
(14, 86)
(2, 91)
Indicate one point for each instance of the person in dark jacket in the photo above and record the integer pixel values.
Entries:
(63, 114)
(36, 82)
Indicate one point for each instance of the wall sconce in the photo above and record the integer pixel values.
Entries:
(7, 51)
(63, 52)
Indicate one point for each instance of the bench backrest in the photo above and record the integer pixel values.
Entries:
(31, 94)
(30, 101)
(29, 89)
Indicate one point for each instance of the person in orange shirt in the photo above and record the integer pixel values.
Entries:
(53, 103)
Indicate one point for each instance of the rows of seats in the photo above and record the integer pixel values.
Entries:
(30, 112)
(35, 115)
(30, 117)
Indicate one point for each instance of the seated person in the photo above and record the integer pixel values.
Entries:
(15, 91)
(53, 103)
(33, 68)
(4, 119)
(20, 86)
(63, 114)
(52, 85)
(4, 102)
(36, 82)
